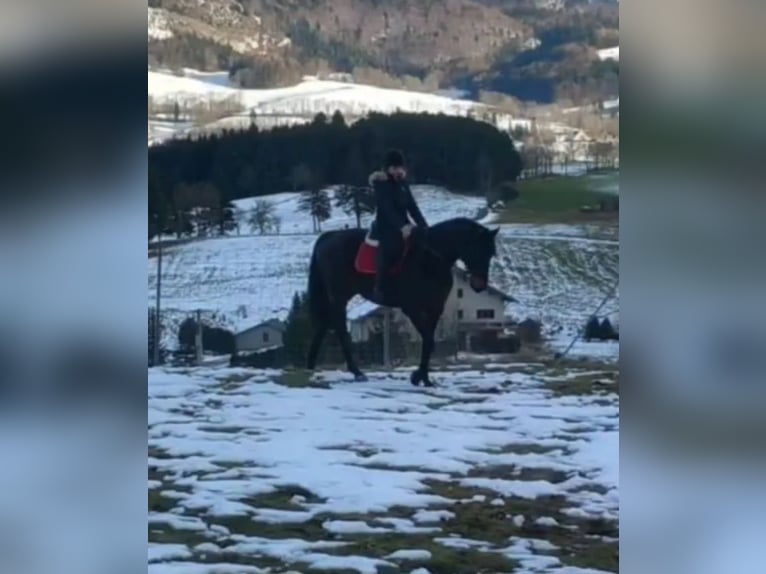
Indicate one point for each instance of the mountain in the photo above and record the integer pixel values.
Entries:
(532, 49)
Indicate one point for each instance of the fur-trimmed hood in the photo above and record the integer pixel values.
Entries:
(379, 175)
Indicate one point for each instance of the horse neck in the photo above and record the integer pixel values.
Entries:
(446, 239)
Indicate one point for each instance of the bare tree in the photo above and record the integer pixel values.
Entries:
(316, 201)
(355, 196)
(569, 152)
(261, 217)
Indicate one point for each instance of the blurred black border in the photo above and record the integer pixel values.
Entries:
(71, 113)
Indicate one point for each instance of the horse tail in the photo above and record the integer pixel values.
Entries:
(317, 293)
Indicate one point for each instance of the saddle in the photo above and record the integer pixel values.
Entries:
(366, 256)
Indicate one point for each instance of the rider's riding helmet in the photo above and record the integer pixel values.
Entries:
(394, 158)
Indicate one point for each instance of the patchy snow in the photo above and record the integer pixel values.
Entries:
(158, 552)
(430, 516)
(609, 54)
(352, 527)
(223, 449)
(195, 568)
(410, 555)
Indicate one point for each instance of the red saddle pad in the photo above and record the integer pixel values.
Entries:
(366, 259)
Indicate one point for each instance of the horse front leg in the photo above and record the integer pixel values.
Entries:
(425, 323)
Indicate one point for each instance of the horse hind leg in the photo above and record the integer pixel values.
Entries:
(320, 330)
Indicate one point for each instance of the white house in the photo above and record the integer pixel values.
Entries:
(266, 335)
(466, 314)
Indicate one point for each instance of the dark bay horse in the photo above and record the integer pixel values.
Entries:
(420, 289)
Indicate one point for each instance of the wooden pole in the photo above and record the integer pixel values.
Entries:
(198, 338)
(387, 338)
(156, 350)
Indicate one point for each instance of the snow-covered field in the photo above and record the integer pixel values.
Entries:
(511, 469)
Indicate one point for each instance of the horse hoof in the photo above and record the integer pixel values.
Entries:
(415, 378)
(360, 378)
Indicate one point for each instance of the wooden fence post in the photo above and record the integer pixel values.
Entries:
(198, 339)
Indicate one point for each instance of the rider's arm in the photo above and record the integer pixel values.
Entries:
(414, 210)
(385, 208)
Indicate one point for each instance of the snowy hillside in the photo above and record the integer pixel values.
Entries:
(248, 279)
(559, 273)
(310, 96)
(437, 203)
(559, 277)
(301, 102)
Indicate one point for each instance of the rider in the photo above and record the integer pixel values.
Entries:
(396, 211)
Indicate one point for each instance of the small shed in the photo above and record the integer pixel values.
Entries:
(266, 335)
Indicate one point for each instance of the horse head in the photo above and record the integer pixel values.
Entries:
(470, 242)
(477, 252)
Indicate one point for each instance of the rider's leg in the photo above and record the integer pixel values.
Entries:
(383, 266)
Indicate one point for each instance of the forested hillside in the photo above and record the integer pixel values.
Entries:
(458, 153)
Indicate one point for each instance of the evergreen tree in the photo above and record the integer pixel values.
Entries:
(226, 222)
(443, 150)
(297, 330)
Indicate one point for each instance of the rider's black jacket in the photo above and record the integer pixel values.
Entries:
(395, 203)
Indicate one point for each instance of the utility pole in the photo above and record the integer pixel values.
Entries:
(387, 337)
(198, 338)
(156, 349)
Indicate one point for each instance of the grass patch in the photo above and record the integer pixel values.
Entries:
(310, 530)
(299, 379)
(522, 448)
(558, 200)
(585, 385)
(595, 554)
(160, 503)
(579, 540)
(281, 499)
(444, 560)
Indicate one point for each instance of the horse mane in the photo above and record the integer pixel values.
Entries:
(447, 235)
(457, 224)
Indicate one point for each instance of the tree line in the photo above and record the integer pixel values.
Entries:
(199, 177)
